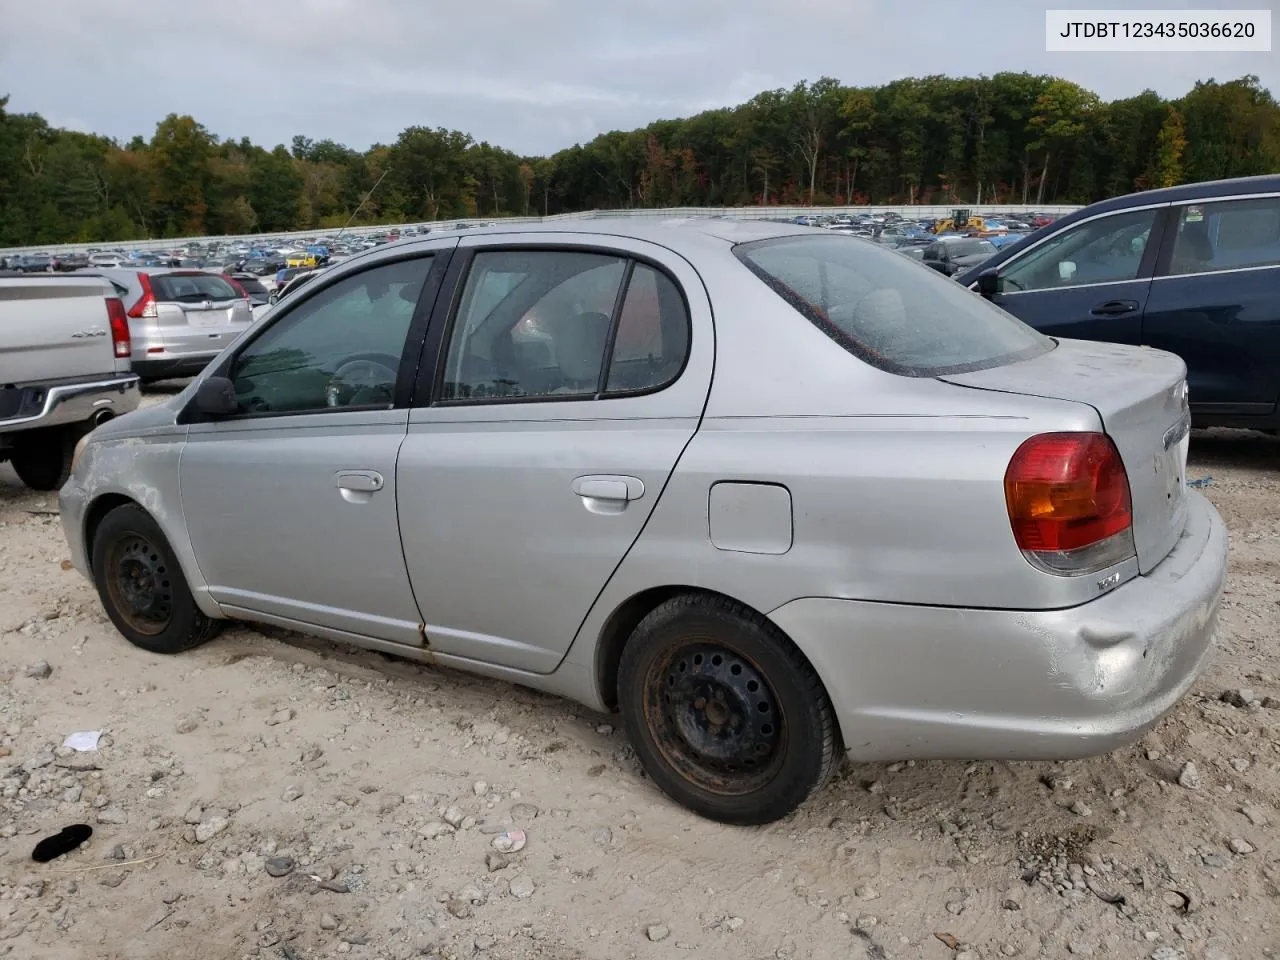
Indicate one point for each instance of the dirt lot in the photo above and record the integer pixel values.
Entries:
(377, 790)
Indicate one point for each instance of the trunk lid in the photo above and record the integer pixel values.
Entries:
(1140, 395)
(54, 328)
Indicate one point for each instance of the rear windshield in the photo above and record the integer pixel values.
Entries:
(251, 284)
(191, 287)
(894, 314)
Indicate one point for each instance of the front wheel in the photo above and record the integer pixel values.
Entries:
(725, 713)
(142, 586)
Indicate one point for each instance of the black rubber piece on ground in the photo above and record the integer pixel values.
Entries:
(62, 842)
(188, 627)
(811, 744)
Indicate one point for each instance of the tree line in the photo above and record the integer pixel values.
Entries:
(1007, 138)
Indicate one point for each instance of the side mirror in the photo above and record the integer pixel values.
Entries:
(216, 397)
(989, 282)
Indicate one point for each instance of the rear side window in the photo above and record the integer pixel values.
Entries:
(1227, 236)
(563, 324)
(191, 287)
(888, 311)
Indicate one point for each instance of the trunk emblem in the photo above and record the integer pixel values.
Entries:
(91, 332)
(1106, 583)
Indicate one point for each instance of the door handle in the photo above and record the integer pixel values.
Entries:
(1115, 308)
(356, 485)
(606, 487)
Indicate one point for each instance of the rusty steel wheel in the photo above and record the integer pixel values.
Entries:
(715, 718)
(141, 585)
(725, 713)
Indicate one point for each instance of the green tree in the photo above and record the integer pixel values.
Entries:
(1170, 143)
(180, 155)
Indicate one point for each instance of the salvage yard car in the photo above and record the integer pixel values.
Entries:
(897, 522)
(1193, 269)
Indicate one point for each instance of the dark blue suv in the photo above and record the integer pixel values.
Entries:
(1194, 270)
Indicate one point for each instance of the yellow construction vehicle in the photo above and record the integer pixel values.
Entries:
(960, 221)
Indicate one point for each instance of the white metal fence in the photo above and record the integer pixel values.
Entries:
(751, 213)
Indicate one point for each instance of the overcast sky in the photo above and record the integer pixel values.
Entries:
(529, 75)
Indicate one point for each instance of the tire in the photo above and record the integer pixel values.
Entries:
(42, 458)
(142, 587)
(725, 713)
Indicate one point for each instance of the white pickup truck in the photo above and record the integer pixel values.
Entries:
(64, 368)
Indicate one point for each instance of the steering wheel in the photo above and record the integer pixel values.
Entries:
(369, 371)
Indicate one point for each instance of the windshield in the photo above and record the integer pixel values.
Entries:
(972, 248)
(890, 312)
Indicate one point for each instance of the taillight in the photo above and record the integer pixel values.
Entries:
(119, 326)
(1069, 502)
(145, 308)
(239, 289)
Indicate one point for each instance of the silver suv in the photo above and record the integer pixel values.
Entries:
(179, 320)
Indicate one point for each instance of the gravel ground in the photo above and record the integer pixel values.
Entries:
(276, 796)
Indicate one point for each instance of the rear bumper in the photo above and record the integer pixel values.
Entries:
(949, 683)
(57, 404)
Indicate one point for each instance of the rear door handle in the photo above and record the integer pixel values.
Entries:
(357, 486)
(1115, 308)
(608, 487)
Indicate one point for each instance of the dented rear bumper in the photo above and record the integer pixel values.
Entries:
(954, 683)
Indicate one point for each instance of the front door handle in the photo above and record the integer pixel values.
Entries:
(613, 489)
(1115, 308)
(357, 486)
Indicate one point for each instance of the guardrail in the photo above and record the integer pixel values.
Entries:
(750, 213)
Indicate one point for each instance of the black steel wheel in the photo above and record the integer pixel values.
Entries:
(716, 719)
(141, 584)
(726, 714)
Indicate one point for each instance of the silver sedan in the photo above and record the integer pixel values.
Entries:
(774, 493)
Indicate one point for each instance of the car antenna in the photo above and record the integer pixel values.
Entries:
(361, 204)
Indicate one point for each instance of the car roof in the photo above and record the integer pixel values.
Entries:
(1268, 183)
(684, 235)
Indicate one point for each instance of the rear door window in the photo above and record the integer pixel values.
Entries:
(564, 324)
(888, 311)
(191, 287)
(1230, 235)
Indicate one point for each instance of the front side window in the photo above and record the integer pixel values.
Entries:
(1106, 250)
(1227, 236)
(339, 349)
(886, 310)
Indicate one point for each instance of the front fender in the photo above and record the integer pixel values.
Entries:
(141, 467)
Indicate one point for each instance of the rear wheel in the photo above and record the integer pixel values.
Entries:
(142, 587)
(725, 713)
(42, 458)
